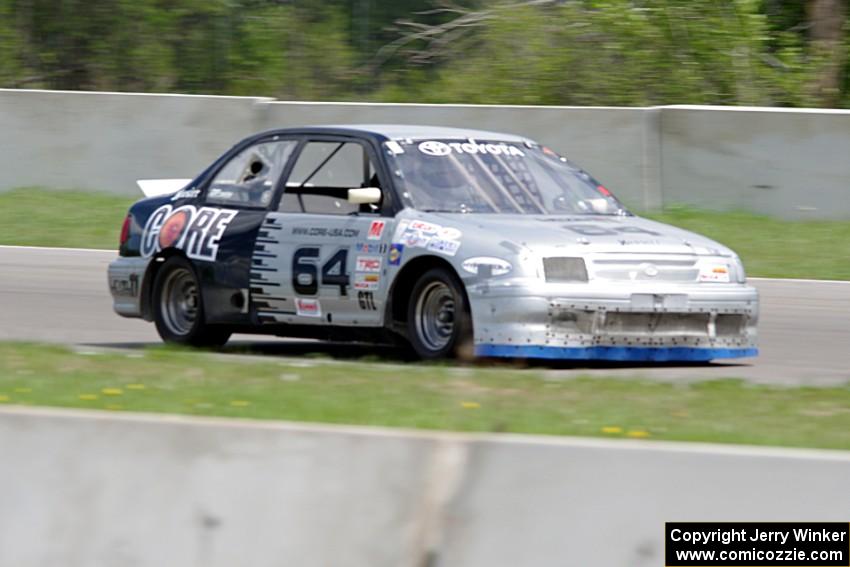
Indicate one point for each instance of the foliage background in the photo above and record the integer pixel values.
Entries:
(566, 52)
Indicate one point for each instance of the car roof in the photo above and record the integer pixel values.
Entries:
(412, 131)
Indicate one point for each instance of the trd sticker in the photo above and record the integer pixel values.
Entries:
(396, 251)
(366, 281)
(366, 300)
(436, 148)
(308, 307)
(368, 264)
(197, 231)
(376, 229)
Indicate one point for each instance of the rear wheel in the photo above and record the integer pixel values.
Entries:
(178, 307)
(438, 318)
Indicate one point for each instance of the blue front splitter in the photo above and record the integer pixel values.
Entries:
(633, 354)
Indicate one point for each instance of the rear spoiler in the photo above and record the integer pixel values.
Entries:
(157, 187)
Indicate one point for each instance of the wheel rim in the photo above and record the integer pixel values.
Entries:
(179, 301)
(435, 316)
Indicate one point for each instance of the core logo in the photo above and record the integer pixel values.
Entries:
(197, 231)
(376, 229)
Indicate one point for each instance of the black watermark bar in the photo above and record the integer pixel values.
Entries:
(757, 544)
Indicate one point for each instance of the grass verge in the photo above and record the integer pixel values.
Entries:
(70, 219)
(773, 248)
(424, 396)
(769, 247)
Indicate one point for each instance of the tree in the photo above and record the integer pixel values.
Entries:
(828, 29)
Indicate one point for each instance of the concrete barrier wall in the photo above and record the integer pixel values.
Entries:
(789, 163)
(104, 141)
(100, 489)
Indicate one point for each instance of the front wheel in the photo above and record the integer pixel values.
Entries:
(438, 317)
(178, 308)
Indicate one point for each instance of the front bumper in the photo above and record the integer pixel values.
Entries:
(614, 321)
(126, 277)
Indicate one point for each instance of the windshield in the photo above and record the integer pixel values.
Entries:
(474, 176)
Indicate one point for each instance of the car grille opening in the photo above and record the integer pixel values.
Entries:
(650, 268)
(646, 324)
(657, 324)
(729, 325)
(565, 269)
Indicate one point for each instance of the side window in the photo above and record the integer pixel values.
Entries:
(322, 176)
(249, 178)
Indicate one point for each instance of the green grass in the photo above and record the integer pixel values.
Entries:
(72, 219)
(424, 396)
(769, 247)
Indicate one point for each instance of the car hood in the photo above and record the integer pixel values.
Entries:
(581, 234)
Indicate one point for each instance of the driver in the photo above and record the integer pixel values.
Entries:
(256, 183)
(437, 182)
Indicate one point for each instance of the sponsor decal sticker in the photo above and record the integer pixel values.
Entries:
(447, 247)
(428, 228)
(368, 264)
(414, 239)
(308, 307)
(396, 250)
(394, 147)
(437, 148)
(717, 273)
(376, 229)
(400, 228)
(324, 231)
(367, 282)
(369, 248)
(640, 242)
(420, 234)
(197, 231)
(186, 194)
(449, 233)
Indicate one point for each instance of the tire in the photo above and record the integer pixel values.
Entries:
(178, 307)
(439, 324)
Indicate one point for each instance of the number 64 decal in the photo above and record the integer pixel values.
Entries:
(305, 271)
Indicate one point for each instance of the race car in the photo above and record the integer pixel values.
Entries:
(449, 241)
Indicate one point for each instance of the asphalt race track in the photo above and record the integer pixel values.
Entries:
(61, 295)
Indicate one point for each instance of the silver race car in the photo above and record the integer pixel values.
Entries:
(447, 240)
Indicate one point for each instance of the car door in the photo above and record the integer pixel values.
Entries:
(319, 259)
(242, 188)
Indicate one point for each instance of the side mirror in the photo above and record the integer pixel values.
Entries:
(364, 196)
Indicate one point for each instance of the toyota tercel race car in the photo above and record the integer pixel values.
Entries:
(448, 240)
